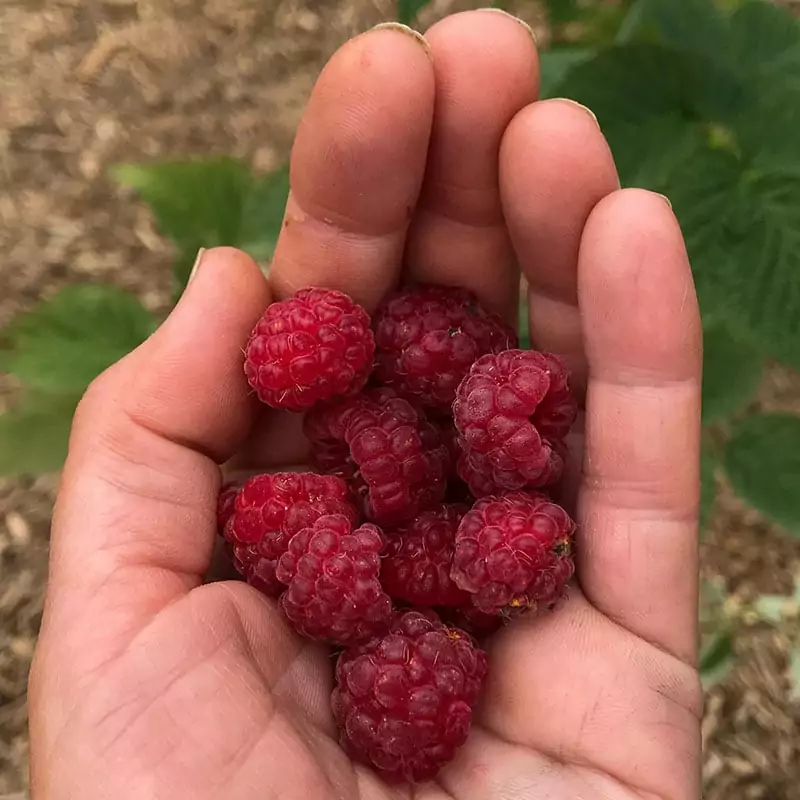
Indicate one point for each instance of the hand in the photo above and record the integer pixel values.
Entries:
(149, 683)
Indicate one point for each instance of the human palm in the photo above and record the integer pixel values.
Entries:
(150, 682)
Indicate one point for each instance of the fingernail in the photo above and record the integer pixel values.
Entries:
(196, 266)
(579, 105)
(664, 198)
(516, 19)
(400, 28)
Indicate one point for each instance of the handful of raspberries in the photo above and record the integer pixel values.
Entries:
(426, 521)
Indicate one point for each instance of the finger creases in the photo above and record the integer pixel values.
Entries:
(487, 69)
(357, 167)
(641, 325)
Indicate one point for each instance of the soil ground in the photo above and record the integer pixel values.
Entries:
(89, 83)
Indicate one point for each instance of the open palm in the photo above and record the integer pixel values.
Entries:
(438, 166)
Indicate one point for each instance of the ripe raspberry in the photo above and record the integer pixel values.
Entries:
(427, 338)
(512, 411)
(418, 558)
(483, 478)
(225, 505)
(393, 458)
(332, 573)
(404, 702)
(311, 347)
(259, 572)
(269, 510)
(514, 553)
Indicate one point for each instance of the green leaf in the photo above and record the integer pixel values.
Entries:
(742, 231)
(34, 437)
(635, 81)
(731, 372)
(766, 132)
(764, 40)
(555, 64)
(639, 93)
(708, 488)
(65, 342)
(633, 23)
(694, 25)
(762, 461)
(716, 659)
(262, 215)
(407, 10)
(196, 203)
(648, 152)
(561, 11)
(627, 83)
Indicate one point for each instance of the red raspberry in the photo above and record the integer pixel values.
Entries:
(512, 411)
(225, 505)
(404, 702)
(514, 553)
(332, 573)
(311, 347)
(418, 558)
(259, 572)
(427, 338)
(392, 456)
(270, 509)
(483, 478)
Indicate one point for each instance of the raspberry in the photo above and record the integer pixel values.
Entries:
(332, 573)
(514, 553)
(416, 564)
(483, 478)
(259, 572)
(512, 412)
(311, 347)
(427, 338)
(269, 510)
(404, 702)
(392, 456)
(225, 505)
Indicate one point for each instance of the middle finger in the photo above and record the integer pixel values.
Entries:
(487, 69)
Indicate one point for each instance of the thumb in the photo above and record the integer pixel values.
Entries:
(134, 523)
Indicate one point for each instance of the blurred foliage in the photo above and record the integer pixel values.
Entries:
(699, 101)
(211, 202)
(407, 10)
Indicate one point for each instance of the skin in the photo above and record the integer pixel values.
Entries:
(440, 166)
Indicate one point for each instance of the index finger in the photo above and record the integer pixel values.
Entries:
(638, 560)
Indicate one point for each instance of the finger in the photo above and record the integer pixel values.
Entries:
(487, 69)
(135, 518)
(555, 166)
(357, 167)
(638, 548)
